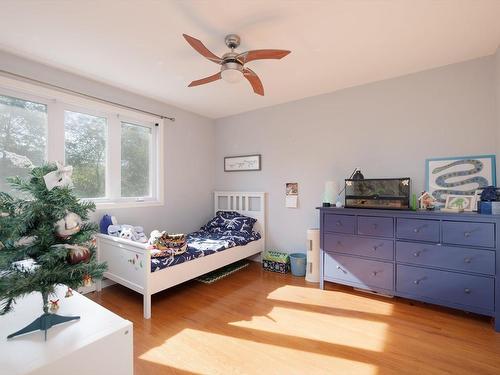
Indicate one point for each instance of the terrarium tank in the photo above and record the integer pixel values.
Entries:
(381, 193)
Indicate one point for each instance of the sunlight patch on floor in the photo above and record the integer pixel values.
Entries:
(342, 330)
(336, 299)
(198, 351)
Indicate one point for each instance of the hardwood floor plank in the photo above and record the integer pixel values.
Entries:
(255, 322)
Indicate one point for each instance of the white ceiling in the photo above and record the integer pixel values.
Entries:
(138, 45)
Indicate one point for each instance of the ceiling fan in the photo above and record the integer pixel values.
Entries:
(233, 63)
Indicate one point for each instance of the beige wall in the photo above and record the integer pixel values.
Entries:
(387, 129)
(189, 151)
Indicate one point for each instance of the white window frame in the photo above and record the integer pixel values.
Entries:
(58, 102)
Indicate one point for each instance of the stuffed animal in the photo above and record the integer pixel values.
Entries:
(105, 222)
(153, 237)
(128, 232)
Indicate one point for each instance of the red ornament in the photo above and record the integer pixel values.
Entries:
(77, 254)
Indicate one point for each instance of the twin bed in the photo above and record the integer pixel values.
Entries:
(130, 263)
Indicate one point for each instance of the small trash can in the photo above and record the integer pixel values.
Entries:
(298, 263)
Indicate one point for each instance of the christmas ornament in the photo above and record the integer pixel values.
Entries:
(69, 293)
(69, 225)
(87, 280)
(59, 178)
(77, 254)
(53, 305)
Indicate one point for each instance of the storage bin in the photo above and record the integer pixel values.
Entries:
(276, 261)
(298, 263)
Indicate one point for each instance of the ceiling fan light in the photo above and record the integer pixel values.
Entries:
(231, 72)
(231, 75)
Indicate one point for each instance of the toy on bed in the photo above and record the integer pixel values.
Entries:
(128, 232)
(164, 244)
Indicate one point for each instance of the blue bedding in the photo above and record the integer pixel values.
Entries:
(203, 243)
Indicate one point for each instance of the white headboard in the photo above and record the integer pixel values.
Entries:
(252, 204)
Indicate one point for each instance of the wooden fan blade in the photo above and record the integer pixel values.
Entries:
(261, 54)
(202, 81)
(254, 81)
(201, 49)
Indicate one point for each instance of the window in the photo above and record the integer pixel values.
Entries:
(135, 160)
(115, 153)
(85, 150)
(23, 137)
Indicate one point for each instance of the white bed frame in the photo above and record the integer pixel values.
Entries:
(129, 263)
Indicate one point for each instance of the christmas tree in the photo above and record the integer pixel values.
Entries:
(45, 240)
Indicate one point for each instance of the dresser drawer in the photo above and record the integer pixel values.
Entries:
(450, 287)
(339, 223)
(376, 226)
(418, 229)
(469, 234)
(361, 272)
(368, 247)
(455, 258)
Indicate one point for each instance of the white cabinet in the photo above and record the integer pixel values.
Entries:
(100, 342)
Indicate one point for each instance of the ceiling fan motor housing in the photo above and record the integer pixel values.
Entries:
(232, 41)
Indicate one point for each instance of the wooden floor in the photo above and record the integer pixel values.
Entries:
(255, 322)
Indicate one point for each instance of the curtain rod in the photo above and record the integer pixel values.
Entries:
(63, 89)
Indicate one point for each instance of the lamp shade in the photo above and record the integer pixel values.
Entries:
(331, 191)
(231, 75)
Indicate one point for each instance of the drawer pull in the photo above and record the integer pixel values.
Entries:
(339, 243)
(374, 273)
(416, 253)
(416, 230)
(374, 226)
(338, 223)
(467, 234)
(418, 281)
(375, 248)
(467, 260)
(341, 269)
(467, 291)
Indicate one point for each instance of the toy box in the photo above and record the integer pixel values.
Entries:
(276, 261)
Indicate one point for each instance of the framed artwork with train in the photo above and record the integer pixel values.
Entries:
(459, 175)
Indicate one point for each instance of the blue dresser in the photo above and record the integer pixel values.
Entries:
(441, 258)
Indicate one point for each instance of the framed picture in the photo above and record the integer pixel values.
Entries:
(459, 175)
(292, 188)
(242, 163)
(477, 198)
(460, 202)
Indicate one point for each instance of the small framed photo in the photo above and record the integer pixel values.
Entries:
(242, 163)
(292, 188)
(460, 202)
(477, 199)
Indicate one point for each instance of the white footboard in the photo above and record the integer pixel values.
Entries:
(129, 264)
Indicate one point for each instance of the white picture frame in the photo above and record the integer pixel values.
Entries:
(242, 163)
(477, 199)
(460, 202)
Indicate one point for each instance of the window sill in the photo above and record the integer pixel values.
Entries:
(113, 205)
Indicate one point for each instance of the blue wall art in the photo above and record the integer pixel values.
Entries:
(459, 175)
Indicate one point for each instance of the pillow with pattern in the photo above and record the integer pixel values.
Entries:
(237, 222)
(229, 220)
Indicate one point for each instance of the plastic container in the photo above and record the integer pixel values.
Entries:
(298, 263)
